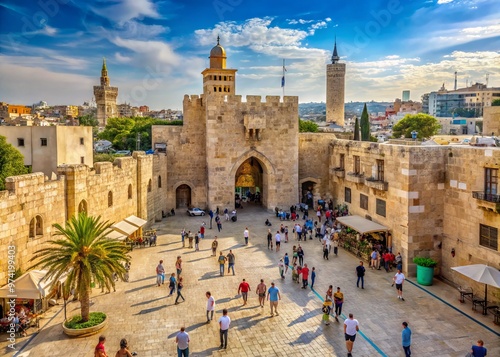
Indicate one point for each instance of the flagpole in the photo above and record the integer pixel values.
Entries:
(283, 80)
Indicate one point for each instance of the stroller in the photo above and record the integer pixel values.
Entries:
(234, 218)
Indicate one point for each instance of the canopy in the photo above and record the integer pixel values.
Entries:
(30, 285)
(124, 227)
(116, 235)
(361, 225)
(136, 221)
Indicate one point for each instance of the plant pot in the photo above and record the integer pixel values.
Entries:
(425, 275)
(83, 332)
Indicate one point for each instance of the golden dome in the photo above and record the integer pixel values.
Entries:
(218, 56)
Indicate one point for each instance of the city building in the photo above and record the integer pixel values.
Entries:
(46, 147)
(491, 121)
(335, 89)
(105, 97)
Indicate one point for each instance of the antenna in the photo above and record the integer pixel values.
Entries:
(487, 78)
(455, 80)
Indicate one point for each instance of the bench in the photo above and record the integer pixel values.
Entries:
(466, 294)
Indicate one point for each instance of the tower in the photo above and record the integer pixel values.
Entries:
(335, 89)
(105, 97)
(218, 79)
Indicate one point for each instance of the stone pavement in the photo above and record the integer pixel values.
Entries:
(141, 312)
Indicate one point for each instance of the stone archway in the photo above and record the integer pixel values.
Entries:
(82, 207)
(183, 196)
(249, 182)
(255, 166)
(309, 191)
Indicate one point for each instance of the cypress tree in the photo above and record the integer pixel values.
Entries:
(356, 129)
(365, 125)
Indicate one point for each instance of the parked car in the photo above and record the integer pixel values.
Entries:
(123, 152)
(195, 212)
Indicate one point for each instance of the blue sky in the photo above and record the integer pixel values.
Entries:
(52, 49)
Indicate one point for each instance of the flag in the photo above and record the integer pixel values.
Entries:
(283, 78)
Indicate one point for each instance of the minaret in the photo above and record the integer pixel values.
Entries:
(218, 79)
(335, 89)
(105, 97)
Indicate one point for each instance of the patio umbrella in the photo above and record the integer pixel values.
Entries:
(482, 274)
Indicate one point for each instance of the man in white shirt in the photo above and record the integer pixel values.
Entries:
(278, 241)
(245, 235)
(351, 327)
(224, 323)
(399, 279)
(210, 306)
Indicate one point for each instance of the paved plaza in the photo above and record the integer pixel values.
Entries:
(141, 312)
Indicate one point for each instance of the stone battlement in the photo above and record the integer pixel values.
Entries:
(24, 183)
(251, 100)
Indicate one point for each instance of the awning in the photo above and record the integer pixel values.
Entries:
(116, 235)
(361, 225)
(124, 227)
(30, 285)
(136, 221)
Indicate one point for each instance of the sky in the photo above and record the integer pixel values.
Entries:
(155, 50)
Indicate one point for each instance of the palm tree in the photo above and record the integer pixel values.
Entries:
(86, 255)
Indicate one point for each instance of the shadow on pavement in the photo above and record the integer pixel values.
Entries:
(303, 318)
(147, 301)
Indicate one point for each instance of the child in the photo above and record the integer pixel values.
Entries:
(286, 260)
(313, 277)
(299, 270)
(327, 306)
(295, 276)
(295, 254)
(281, 268)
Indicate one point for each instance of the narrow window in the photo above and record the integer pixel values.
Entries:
(81, 141)
(347, 195)
(380, 170)
(43, 141)
(488, 237)
(110, 199)
(363, 201)
(20, 142)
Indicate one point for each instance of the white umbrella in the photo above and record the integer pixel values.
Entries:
(482, 274)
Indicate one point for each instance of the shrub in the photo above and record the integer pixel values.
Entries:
(425, 262)
(95, 319)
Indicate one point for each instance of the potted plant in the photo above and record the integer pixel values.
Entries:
(86, 255)
(425, 270)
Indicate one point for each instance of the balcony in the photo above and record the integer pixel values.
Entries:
(487, 201)
(340, 173)
(377, 185)
(355, 177)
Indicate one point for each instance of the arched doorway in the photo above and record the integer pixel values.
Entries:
(249, 182)
(308, 192)
(183, 196)
(82, 207)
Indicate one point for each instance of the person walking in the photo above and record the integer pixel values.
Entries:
(286, 261)
(277, 237)
(182, 340)
(178, 266)
(399, 262)
(160, 273)
(261, 291)
(325, 250)
(406, 339)
(399, 279)
(313, 277)
(172, 283)
(219, 223)
(373, 259)
(211, 214)
(202, 230)
(300, 254)
(183, 236)
(215, 244)
(180, 285)
(123, 351)
(273, 296)
(281, 268)
(244, 288)
(222, 261)
(338, 298)
(224, 323)
(479, 350)
(210, 306)
(245, 235)
(360, 272)
(269, 239)
(99, 350)
(305, 276)
(230, 260)
(226, 214)
(351, 327)
(190, 239)
(197, 241)
(335, 246)
(327, 306)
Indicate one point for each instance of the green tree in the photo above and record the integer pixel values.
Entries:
(356, 129)
(123, 132)
(307, 126)
(495, 103)
(365, 125)
(88, 120)
(11, 162)
(86, 255)
(424, 124)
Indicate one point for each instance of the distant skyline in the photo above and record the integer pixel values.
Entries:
(52, 50)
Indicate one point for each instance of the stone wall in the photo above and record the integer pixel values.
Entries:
(491, 121)
(26, 197)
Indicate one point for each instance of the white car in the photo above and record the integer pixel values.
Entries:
(196, 212)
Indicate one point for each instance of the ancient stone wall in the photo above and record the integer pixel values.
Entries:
(465, 174)
(491, 121)
(28, 199)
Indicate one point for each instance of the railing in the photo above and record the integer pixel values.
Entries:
(486, 196)
(354, 177)
(378, 185)
(339, 172)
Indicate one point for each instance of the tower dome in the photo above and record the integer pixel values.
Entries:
(218, 56)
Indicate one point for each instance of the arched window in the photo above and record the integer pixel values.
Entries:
(110, 199)
(82, 207)
(149, 186)
(159, 181)
(36, 227)
(130, 191)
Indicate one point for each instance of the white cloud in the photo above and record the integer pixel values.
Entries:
(121, 58)
(392, 57)
(328, 19)
(126, 10)
(317, 26)
(441, 2)
(149, 52)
